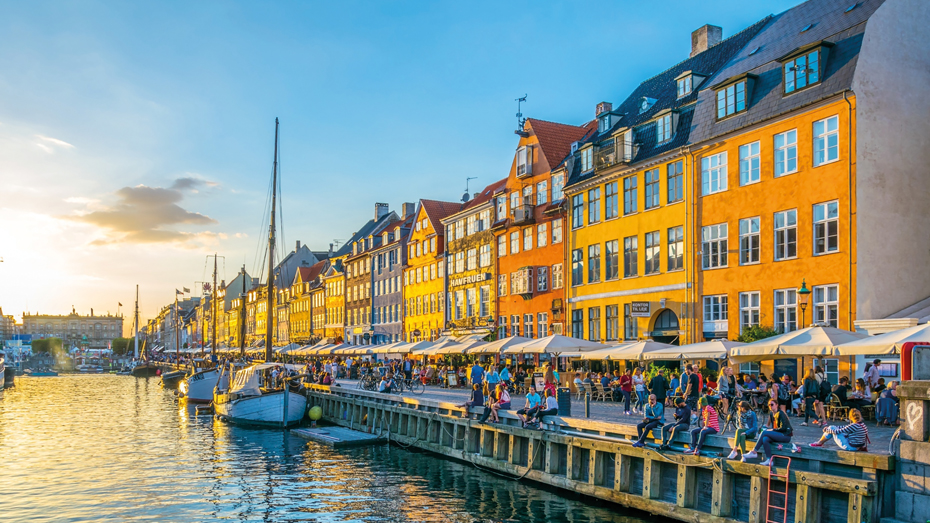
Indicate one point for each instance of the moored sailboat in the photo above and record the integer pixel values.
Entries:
(143, 368)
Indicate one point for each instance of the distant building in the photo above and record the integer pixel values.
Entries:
(7, 327)
(75, 330)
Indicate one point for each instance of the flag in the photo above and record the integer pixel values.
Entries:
(120, 304)
(178, 292)
(186, 290)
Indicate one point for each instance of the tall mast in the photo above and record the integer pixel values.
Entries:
(135, 350)
(213, 299)
(177, 330)
(242, 297)
(269, 309)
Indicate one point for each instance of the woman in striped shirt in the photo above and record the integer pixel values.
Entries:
(710, 425)
(854, 436)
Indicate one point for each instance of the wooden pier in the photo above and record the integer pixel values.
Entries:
(596, 459)
(339, 437)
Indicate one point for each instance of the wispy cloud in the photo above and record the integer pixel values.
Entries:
(49, 144)
(144, 214)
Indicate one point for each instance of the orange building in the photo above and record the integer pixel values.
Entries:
(530, 229)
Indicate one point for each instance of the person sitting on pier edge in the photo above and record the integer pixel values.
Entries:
(780, 432)
(747, 426)
(501, 401)
(477, 398)
(387, 383)
(532, 406)
(654, 418)
(682, 422)
(853, 437)
(551, 409)
(710, 424)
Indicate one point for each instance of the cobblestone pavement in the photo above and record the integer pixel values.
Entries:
(612, 412)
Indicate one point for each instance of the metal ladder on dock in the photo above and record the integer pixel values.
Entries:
(783, 495)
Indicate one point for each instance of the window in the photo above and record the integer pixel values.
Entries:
(472, 262)
(460, 262)
(501, 327)
(684, 86)
(826, 141)
(715, 308)
(578, 324)
(731, 100)
(542, 322)
(471, 302)
(432, 268)
(557, 231)
(749, 163)
(557, 278)
(652, 252)
(652, 188)
(714, 246)
(786, 235)
(826, 305)
(514, 242)
(528, 325)
(577, 267)
(432, 303)
(630, 197)
(802, 72)
(676, 248)
(528, 195)
(502, 285)
(748, 310)
(630, 256)
(630, 327)
(542, 191)
(471, 227)
(675, 181)
(749, 241)
(558, 182)
(484, 303)
(664, 129)
(459, 229)
(594, 263)
(611, 260)
(484, 220)
(524, 161)
(527, 238)
(612, 323)
(577, 211)
(542, 234)
(514, 201)
(750, 368)
(610, 200)
(594, 324)
(586, 159)
(484, 256)
(831, 368)
(714, 173)
(786, 153)
(515, 323)
(439, 301)
(786, 310)
(501, 207)
(594, 205)
(542, 279)
(826, 227)
(502, 245)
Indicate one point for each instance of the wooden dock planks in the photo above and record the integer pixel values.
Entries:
(339, 437)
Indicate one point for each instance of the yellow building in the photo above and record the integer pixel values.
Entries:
(424, 274)
(301, 303)
(628, 215)
(334, 282)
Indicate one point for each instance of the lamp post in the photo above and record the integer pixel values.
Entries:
(804, 295)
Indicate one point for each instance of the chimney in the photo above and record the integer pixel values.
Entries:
(330, 250)
(298, 246)
(409, 209)
(704, 38)
(381, 209)
(603, 107)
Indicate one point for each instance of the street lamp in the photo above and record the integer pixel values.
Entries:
(804, 295)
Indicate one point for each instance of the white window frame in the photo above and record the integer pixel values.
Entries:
(502, 284)
(542, 234)
(786, 153)
(783, 226)
(527, 239)
(542, 191)
(542, 324)
(750, 240)
(542, 279)
(471, 260)
(823, 223)
(484, 255)
(714, 173)
(557, 231)
(587, 159)
(749, 309)
(502, 245)
(524, 162)
(514, 242)
(558, 183)
(594, 205)
(664, 128)
(826, 141)
(484, 301)
(684, 86)
(785, 305)
(557, 276)
(715, 308)
(826, 306)
(714, 245)
(749, 163)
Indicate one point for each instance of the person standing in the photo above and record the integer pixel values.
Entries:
(477, 374)
(626, 388)
(811, 394)
(658, 386)
(692, 389)
(871, 376)
(639, 385)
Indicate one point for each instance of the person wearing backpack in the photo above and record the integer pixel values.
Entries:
(826, 388)
(811, 396)
(782, 392)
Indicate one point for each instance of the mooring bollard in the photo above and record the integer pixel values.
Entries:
(587, 404)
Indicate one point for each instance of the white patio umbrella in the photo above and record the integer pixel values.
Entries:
(887, 343)
(634, 351)
(707, 350)
(554, 344)
(497, 346)
(387, 348)
(812, 341)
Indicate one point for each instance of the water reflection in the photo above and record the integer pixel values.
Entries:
(87, 448)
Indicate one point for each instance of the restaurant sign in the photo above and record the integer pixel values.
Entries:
(639, 309)
(471, 278)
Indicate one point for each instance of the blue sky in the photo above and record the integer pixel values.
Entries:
(378, 101)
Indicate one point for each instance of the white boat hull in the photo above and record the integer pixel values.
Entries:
(267, 409)
(198, 387)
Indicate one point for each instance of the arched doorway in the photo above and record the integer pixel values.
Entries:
(665, 329)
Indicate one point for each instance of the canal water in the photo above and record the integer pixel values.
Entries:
(118, 448)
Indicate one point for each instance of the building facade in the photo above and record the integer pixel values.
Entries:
(358, 292)
(530, 231)
(88, 331)
(388, 261)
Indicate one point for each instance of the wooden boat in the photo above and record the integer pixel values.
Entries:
(35, 373)
(7, 373)
(198, 387)
(251, 401)
(171, 380)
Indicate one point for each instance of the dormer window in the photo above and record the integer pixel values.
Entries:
(574, 147)
(524, 161)
(664, 128)
(684, 86)
(603, 123)
(587, 159)
(733, 95)
(803, 67)
(646, 104)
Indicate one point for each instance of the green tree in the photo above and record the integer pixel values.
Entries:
(51, 346)
(122, 346)
(755, 333)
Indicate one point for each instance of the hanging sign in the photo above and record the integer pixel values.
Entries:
(639, 309)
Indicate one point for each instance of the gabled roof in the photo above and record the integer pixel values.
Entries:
(437, 210)
(782, 35)
(555, 139)
(371, 227)
(308, 274)
(482, 197)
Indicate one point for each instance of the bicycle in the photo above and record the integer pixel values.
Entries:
(368, 382)
(413, 385)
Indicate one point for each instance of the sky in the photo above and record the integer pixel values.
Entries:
(136, 138)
